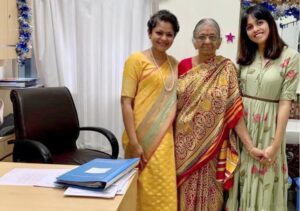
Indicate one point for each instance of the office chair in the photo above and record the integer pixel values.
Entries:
(47, 127)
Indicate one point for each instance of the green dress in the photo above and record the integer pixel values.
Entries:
(257, 187)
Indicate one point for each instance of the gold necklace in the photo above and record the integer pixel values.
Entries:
(168, 89)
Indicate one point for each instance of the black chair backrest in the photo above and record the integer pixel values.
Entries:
(46, 114)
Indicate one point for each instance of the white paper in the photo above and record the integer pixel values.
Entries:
(32, 177)
(97, 170)
(107, 193)
(123, 183)
(119, 188)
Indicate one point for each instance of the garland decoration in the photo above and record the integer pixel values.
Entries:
(280, 11)
(25, 29)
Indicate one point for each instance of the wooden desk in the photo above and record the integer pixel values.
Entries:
(27, 198)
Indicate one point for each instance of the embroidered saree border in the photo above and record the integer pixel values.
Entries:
(221, 131)
(156, 122)
(159, 118)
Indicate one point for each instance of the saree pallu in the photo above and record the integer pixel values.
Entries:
(154, 111)
(209, 106)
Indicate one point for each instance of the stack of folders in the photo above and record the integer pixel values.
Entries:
(18, 82)
(98, 177)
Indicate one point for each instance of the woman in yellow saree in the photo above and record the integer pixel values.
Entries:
(149, 107)
(209, 107)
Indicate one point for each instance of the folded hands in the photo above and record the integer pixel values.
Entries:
(265, 156)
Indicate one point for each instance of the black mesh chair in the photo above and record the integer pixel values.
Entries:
(47, 128)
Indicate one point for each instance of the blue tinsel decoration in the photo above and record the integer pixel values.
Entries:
(246, 4)
(24, 8)
(293, 11)
(270, 7)
(25, 36)
(25, 26)
(24, 45)
(281, 25)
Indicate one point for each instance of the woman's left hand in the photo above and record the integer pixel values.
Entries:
(269, 155)
(257, 154)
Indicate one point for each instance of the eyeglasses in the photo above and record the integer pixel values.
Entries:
(211, 38)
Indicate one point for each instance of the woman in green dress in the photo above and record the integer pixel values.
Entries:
(268, 79)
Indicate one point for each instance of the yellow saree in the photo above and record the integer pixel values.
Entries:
(209, 106)
(154, 111)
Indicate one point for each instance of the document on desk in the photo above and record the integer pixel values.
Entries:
(118, 188)
(109, 192)
(98, 173)
(124, 182)
(32, 177)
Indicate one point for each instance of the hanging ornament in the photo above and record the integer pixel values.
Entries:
(278, 9)
(230, 37)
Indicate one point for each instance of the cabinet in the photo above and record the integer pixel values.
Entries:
(8, 29)
(6, 148)
(5, 96)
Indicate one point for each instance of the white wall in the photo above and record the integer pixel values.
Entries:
(189, 12)
(225, 12)
(8, 68)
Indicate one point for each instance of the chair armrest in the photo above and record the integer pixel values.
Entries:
(110, 137)
(27, 150)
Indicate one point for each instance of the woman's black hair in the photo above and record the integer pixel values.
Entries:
(163, 15)
(247, 48)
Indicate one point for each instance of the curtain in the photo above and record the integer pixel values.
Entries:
(83, 44)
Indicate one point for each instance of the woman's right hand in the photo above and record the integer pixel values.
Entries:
(256, 153)
(136, 151)
(270, 155)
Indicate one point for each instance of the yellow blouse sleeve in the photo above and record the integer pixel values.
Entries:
(131, 75)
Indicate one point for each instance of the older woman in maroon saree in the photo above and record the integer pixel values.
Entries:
(209, 106)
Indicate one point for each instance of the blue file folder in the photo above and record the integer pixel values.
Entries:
(98, 173)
